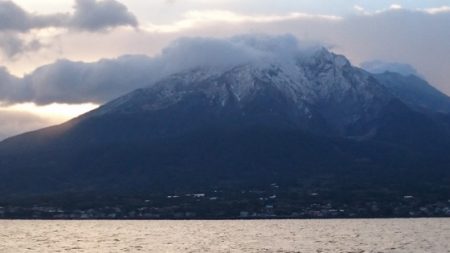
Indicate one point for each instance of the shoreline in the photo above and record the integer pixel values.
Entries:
(233, 219)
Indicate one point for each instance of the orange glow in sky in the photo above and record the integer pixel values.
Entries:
(55, 112)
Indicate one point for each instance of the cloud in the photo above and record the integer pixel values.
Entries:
(11, 87)
(193, 52)
(14, 18)
(359, 9)
(418, 37)
(395, 34)
(77, 82)
(13, 44)
(95, 15)
(89, 15)
(378, 67)
(197, 18)
(438, 10)
(395, 7)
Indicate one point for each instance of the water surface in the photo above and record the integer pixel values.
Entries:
(306, 236)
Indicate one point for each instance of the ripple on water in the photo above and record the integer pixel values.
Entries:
(279, 236)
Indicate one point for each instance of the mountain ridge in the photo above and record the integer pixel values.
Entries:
(243, 126)
(415, 92)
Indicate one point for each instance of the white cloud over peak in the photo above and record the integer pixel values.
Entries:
(77, 82)
(38, 32)
(378, 67)
(397, 34)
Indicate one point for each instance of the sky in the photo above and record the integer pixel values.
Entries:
(61, 58)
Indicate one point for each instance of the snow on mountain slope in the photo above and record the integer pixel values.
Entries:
(309, 114)
(321, 85)
(415, 92)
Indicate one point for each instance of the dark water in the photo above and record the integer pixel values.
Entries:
(384, 235)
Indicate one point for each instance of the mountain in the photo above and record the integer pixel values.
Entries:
(314, 122)
(415, 92)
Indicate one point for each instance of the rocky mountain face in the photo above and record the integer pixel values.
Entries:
(415, 92)
(252, 124)
(322, 93)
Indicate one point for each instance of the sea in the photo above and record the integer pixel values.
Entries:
(280, 236)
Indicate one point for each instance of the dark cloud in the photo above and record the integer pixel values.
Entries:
(91, 15)
(13, 18)
(77, 82)
(95, 15)
(14, 22)
(13, 45)
(419, 37)
(11, 87)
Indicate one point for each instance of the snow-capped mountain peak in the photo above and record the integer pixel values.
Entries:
(322, 86)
